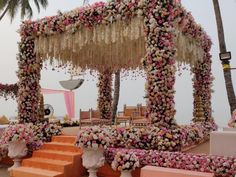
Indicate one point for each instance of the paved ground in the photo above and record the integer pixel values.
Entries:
(3, 171)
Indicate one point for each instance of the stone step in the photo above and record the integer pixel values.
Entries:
(34, 172)
(64, 139)
(67, 147)
(48, 164)
(57, 155)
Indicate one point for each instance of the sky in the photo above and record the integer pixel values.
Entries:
(132, 90)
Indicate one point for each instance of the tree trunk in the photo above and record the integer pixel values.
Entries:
(4, 13)
(116, 95)
(226, 64)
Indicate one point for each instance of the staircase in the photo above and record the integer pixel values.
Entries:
(59, 158)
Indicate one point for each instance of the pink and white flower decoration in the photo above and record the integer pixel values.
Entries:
(94, 138)
(125, 161)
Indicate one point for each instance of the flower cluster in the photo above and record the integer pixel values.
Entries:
(148, 138)
(17, 132)
(69, 123)
(125, 161)
(93, 137)
(8, 90)
(196, 133)
(44, 131)
(219, 165)
(33, 135)
(232, 122)
(105, 94)
(90, 16)
(29, 76)
(161, 139)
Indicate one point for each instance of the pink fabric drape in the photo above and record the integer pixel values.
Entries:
(69, 97)
(69, 100)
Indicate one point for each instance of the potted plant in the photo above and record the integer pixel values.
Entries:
(125, 162)
(93, 141)
(17, 137)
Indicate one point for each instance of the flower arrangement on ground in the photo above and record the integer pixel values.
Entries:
(125, 161)
(93, 138)
(219, 165)
(70, 123)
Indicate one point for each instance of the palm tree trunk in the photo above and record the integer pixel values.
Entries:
(116, 95)
(4, 13)
(226, 64)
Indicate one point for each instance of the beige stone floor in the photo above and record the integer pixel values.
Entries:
(3, 171)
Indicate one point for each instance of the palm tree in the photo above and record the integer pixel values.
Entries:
(225, 64)
(116, 95)
(12, 6)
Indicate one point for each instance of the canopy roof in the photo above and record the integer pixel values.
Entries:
(110, 35)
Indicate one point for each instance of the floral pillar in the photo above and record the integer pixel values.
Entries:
(159, 63)
(105, 94)
(29, 76)
(202, 83)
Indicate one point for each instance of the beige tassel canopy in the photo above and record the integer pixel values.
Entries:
(117, 45)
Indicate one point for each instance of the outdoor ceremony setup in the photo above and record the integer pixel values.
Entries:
(152, 35)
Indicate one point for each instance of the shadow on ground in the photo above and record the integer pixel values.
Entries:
(3, 171)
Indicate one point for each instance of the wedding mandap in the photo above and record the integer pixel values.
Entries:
(152, 35)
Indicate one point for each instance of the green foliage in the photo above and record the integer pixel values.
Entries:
(13, 6)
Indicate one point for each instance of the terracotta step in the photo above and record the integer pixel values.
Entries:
(64, 139)
(34, 172)
(48, 164)
(57, 155)
(61, 147)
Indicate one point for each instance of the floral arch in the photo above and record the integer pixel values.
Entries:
(114, 35)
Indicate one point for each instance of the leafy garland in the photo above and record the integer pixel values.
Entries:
(8, 90)
(105, 94)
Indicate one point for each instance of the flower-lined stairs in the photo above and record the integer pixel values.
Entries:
(59, 158)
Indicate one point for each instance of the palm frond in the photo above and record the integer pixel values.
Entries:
(26, 9)
(13, 7)
(3, 4)
(43, 3)
(37, 5)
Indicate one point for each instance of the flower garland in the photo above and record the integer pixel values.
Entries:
(161, 139)
(8, 90)
(125, 161)
(29, 76)
(196, 133)
(93, 137)
(105, 94)
(219, 165)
